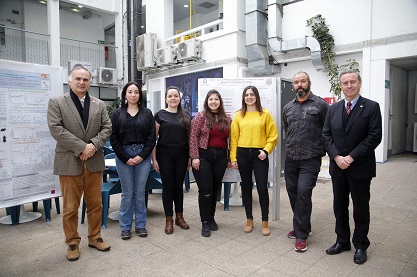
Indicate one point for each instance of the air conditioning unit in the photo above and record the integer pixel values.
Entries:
(87, 65)
(167, 55)
(189, 50)
(146, 51)
(106, 76)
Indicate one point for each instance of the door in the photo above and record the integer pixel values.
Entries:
(287, 94)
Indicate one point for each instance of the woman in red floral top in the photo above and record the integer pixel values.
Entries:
(210, 130)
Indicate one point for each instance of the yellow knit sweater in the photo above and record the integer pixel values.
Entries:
(253, 131)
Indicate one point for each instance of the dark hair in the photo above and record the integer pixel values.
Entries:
(183, 116)
(224, 123)
(258, 104)
(303, 72)
(350, 71)
(123, 108)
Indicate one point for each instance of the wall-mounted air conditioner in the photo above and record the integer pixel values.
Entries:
(189, 50)
(167, 55)
(87, 65)
(146, 51)
(106, 76)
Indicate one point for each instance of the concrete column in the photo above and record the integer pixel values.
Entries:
(118, 27)
(160, 19)
(54, 51)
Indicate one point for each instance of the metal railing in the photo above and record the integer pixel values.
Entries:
(210, 27)
(32, 47)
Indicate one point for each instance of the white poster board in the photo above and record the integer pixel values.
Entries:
(27, 148)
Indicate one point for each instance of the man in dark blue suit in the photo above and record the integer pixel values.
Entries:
(352, 130)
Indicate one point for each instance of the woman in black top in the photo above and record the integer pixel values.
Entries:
(170, 156)
(133, 138)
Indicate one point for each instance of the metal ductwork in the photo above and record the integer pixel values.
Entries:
(259, 47)
(256, 39)
(276, 43)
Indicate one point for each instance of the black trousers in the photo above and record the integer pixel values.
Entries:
(300, 179)
(172, 169)
(248, 162)
(213, 163)
(359, 189)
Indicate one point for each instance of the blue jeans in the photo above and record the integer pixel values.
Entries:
(133, 180)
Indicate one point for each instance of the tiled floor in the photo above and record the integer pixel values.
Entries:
(37, 248)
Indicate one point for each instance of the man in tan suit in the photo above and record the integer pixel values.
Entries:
(81, 126)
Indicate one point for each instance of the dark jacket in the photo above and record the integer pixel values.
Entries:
(359, 139)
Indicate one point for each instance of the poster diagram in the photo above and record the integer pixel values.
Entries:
(231, 91)
(26, 146)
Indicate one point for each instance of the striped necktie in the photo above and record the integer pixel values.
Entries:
(348, 109)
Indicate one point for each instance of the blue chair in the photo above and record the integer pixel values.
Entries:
(154, 182)
(114, 176)
(14, 213)
(107, 188)
(107, 150)
(187, 180)
(227, 187)
(47, 207)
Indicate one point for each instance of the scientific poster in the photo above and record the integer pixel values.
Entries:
(26, 146)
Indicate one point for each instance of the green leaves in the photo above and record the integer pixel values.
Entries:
(114, 105)
(326, 40)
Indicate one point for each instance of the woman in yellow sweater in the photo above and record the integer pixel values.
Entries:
(253, 137)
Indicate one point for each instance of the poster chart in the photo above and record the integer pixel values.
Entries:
(231, 91)
(26, 146)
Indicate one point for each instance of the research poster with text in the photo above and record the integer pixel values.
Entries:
(26, 146)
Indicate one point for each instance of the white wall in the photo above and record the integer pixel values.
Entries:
(392, 18)
(348, 23)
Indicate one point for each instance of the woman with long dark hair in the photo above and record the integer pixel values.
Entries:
(170, 156)
(133, 139)
(209, 148)
(253, 137)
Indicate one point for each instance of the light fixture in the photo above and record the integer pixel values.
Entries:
(80, 6)
(42, 2)
(142, 27)
(75, 10)
(185, 6)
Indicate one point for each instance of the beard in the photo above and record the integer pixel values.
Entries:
(303, 92)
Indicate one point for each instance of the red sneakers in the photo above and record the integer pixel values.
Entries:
(300, 245)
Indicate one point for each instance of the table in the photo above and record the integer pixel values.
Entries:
(110, 163)
(24, 216)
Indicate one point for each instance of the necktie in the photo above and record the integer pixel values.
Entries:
(348, 109)
(82, 101)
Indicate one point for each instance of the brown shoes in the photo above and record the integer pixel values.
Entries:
(179, 220)
(169, 225)
(73, 252)
(99, 244)
(265, 228)
(249, 226)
